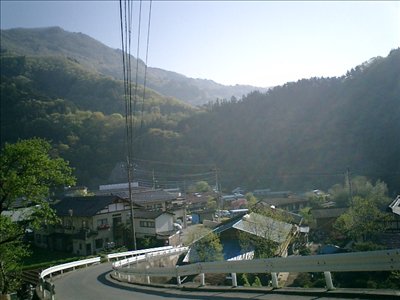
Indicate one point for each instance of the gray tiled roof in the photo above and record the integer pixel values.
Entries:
(147, 196)
(83, 206)
(259, 225)
(265, 227)
(145, 214)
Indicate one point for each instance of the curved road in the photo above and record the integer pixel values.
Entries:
(94, 283)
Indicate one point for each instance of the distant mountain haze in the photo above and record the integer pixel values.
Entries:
(54, 41)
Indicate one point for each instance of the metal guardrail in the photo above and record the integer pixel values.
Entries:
(47, 289)
(136, 252)
(384, 260)
(148, 255)
(70, 265)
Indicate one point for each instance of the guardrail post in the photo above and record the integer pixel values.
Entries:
(52, 292)
(148, 279)
(203, 279)
(178, 280)
(234, 279)
(275, 283)
(328, 280)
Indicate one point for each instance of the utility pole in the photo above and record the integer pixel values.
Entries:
(133, 228)
(349, 185)
(218, 194)
(154, 181)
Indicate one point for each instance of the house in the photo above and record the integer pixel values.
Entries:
(262, 226)
(288, 216)
(238, 190)
(395, 206)
(391, 237)
(150, 199)
(267, 193)
(325, 217)
(196, 201)
(158, 224)
(261, 192)
(88, 224)
(199, 216)
(291, 203)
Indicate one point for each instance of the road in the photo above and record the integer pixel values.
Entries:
(94, 283)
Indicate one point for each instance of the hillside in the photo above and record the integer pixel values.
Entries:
(95, 56)
(306, 134)
(298, 136)
(79, 111)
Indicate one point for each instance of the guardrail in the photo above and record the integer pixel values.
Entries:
(384, 260)
(148, 255)
(47, 289)
(70, 265)
(136, 252)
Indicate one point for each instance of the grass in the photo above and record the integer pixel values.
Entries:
(42, 258)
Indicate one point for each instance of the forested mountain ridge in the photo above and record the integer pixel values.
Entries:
(79, 111)
(308, 133)
(298, 136)
(95, 56)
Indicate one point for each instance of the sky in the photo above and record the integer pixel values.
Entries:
(260, 43)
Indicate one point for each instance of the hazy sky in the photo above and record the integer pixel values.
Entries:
(262, 43)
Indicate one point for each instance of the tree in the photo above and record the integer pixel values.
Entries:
(28, 171)
(209, 248)
(211, 203)
(251, 200)
(200, 187)
(363, 219)
(362, 187)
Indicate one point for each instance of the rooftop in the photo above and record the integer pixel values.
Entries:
(144, 214)
(84, 206)
(258, 225)
(141, 197)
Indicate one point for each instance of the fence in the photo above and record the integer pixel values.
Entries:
(384, 260)
(136, 252)
(148, 255)
(47, 289)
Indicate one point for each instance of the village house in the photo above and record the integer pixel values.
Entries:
(290, 203)
(88, 224)
(158, 224)
(150, 199)
(279, 232)
(326, 217)
(94, 223)
(198, 201)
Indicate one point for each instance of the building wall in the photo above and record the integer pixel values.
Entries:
(165, 222)
(145, 227)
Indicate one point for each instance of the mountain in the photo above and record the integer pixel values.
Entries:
(306, 134)
(298, 136)
(95, 56)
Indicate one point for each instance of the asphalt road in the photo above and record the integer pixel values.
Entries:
(94, 283)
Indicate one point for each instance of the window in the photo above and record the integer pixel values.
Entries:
(102, 222)
(68, 223)
(149, 224)
(99, 243)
